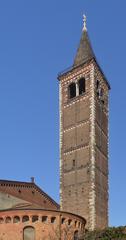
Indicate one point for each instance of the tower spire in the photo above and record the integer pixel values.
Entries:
(84, 51)
(84, 23)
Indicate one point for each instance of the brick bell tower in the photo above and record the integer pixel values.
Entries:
(83, 94)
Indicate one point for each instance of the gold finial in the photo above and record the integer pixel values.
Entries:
(84, 23)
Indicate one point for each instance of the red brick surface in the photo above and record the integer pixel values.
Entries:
(43, 230)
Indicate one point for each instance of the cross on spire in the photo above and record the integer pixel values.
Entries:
(84, 22)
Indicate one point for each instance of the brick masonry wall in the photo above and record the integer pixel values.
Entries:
(101, 153)
(75, 141)
(79, 139)
(12, 224)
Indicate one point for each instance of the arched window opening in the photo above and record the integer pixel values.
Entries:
(16, 219)
(29, 233)
(8, 220)
(63, 220)
(81, 84)
(53, 219)
(69, 222)
(75, 223)
(44, 218)
(25, 219)
(34, 218)
(1, 220)
(76, 235)
(72, 90)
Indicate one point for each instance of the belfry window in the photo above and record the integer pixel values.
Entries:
(81, 84)
(72, 90)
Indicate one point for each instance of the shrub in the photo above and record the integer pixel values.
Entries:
(111, 233)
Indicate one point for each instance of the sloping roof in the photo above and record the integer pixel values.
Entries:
(29, 192)
(85, 51)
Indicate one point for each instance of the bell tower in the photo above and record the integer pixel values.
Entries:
(83, 96)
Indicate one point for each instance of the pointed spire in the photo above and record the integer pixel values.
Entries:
(85, 51)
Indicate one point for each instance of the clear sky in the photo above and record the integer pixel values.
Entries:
(39, 38)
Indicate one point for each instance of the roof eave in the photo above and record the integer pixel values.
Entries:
(70, 69)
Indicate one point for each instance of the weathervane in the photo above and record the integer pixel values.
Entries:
(84, 23)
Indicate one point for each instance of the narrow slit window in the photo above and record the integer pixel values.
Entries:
(97, 84)
(72, 90)
(73, 162)
(81, 84)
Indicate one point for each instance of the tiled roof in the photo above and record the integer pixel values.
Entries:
(29, 192)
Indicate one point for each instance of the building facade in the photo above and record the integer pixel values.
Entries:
(84, 113)
(28, 213)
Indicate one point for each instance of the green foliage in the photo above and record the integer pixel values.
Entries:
(110, 233)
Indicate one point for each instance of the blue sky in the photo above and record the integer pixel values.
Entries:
(37, 40)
